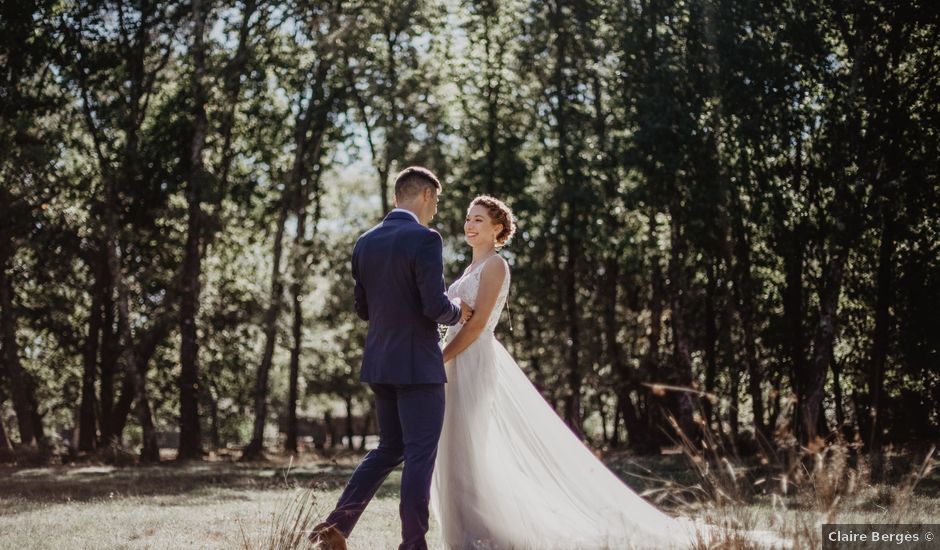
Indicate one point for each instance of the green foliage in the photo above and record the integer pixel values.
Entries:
(737, 196)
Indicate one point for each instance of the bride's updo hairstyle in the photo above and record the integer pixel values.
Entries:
(499, 214)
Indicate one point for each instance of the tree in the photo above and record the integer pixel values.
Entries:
(317, 97)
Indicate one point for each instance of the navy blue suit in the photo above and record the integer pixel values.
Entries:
(398, 268)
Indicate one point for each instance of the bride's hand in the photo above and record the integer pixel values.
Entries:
(466, 312)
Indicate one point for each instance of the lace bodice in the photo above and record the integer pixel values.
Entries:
(467, 287)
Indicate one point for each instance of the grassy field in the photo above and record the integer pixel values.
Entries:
(222, 504)
(209, 505)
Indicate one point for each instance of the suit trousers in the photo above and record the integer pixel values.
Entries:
(410, 419)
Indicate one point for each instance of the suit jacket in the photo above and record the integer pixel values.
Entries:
(398, 267)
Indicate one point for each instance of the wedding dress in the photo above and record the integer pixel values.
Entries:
(511, 475)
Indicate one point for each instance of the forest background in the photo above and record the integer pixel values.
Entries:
(728, 215)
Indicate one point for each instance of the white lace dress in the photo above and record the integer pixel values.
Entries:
(509, 472)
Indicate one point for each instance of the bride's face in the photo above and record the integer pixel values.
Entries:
(479, 229)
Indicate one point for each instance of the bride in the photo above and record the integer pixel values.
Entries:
(509, 472)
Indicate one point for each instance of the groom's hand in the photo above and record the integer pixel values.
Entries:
(466, 312)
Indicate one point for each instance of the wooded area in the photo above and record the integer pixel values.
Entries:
(738, 197)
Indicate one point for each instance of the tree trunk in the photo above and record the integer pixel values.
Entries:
(109, 356)
(6, 447)
(139, 87)
(315, 114)
(214, 436)
(190, 443)
(813, 379)
(726, 349)
(793, 259)
(493, 86)
(680, 335)
(730, 297)
(136, 375)
(615, 438)
(201, 234)
(572, 319)
(255, 448)
(395, 140)
(233, 85)
(300, 256)
(123, 408)
(86, 423)
(143, 353)
(149, 452)
(651, 359)
(212, 397)
(290, 442)
(350, 432)
(860, 408)
(837, 393)
(745, 299)
(711, 341)
(601, 409)
(531, 345)
(572, 240)
(367, 425)
(296, 288)
(330, 428)
(611, 282)
(879, 353)
(381, 166)
(775, 404)
(792, 242)
(20, 383)
(383, 185)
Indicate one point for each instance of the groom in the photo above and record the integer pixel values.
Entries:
(398, 268)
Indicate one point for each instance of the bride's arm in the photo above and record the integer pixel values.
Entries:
(491, 282)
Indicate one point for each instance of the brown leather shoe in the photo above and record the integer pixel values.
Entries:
(328, 537)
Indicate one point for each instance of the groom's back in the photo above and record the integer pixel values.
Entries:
(385, 257)
(402, 342)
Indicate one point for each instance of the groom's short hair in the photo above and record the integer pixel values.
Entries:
(413, 180)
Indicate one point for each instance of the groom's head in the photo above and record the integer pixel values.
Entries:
(417, 189)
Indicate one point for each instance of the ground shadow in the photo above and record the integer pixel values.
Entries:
(84, 483)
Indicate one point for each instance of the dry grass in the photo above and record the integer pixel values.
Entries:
(255, 506)
(209, 505)
(792, 490)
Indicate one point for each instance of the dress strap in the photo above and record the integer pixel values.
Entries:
(479, 266)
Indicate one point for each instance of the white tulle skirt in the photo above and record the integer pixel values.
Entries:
(511, 475)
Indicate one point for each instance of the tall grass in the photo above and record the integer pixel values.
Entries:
(290, 524)
(805, 485)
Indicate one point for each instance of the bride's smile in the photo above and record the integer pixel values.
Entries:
(479, 229)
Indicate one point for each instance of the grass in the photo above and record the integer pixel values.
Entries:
(224, 504)
(197, 505)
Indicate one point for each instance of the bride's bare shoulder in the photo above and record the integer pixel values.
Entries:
(494, 270)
